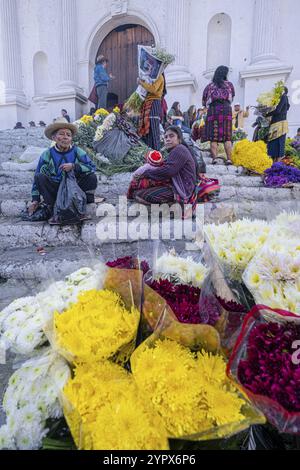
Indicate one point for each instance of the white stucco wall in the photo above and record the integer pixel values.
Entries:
(39, 29)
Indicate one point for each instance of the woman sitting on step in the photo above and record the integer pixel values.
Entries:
(63, 157)
(184, 178)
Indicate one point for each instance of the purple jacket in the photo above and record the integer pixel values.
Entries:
(181, 168)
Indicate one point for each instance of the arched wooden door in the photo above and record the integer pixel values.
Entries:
(120, 47)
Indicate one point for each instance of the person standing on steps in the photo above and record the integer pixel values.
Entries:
(217, 97)
(63, 157)
(102, 79)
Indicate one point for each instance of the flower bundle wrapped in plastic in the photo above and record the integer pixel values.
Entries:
(180, 270)
(32, 397)
(280, 175)
(264, 364)
(270, 100)
(252, 156)
(235, 243)
(177, 280)
(23, 321)
(159, 59)
(97, 327)
(273, 275)
(105, 410)
(210, 406)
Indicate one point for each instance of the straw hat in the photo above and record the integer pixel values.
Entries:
(60, 123)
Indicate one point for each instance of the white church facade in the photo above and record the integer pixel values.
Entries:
(48, 50)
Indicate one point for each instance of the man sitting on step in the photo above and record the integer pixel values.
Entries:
(53, 162)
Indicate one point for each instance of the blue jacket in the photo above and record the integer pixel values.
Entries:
(101, 77)
(51, 159)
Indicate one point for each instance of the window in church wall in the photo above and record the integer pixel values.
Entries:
(40, 74)
(218, 41)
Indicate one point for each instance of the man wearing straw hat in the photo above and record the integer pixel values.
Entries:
(62, 157)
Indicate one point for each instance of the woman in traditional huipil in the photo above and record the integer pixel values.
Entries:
(217, 97)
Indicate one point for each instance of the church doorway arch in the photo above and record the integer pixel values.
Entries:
(120, 48)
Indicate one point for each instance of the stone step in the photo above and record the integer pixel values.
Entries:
(27, 264)
(14, 199)
(108, 229)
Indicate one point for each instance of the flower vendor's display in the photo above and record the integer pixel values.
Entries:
(263, 364)
(271, 99)
(105, 410)
(280, 175)
(180, 270)
(273, 275)
(159, 59)
(22, 322)
(190, 391)
(239, 134)
(105, 126)
(31, 398)
(252, 156)
(96, 327)
(235, 244)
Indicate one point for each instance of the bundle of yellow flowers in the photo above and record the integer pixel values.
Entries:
(86, 119)
(271, 99)
(190, 391)
(252, 156)
(105, 410)
(97, 327)
(101, 112)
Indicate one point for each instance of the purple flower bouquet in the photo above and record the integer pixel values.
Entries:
(280, 174)
(264, 362)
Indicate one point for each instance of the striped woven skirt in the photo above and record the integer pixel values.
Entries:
(150, 132)
(218, 124)
(158, 195)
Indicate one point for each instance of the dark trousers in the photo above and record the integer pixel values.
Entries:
(102, 96)
(48, 188)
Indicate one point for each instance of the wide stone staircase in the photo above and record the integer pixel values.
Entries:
(23, 267)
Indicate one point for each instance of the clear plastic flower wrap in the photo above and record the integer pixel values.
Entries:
(23, 321)
(105, 410)
(273, 274)
(219, 308)
(175, 282)
(182, 374)
(31, 398)
(102, 324)
(265, 363)
(229, 249)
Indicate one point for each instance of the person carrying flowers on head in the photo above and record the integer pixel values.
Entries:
(153, 159)
(62, 157)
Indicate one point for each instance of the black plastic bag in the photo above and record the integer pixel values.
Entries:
(42, 213)
(70, 202)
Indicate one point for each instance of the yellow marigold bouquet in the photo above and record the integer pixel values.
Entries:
(190, 390)
(86, 119)
(97, 327)
(105, 410)
(252, 156)
(101, 112)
